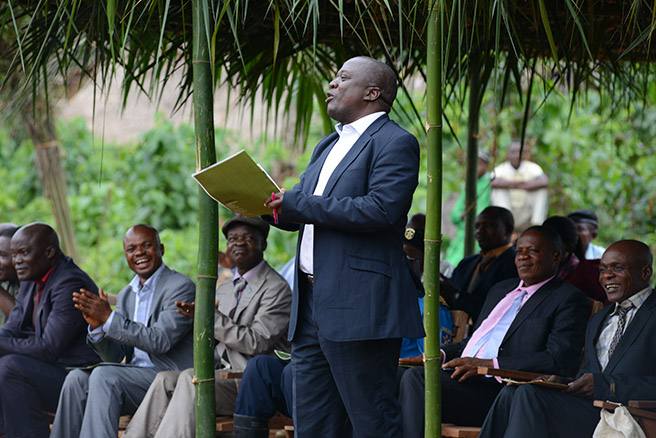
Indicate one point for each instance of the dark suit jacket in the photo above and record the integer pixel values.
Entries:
(631, 371)
(167, 335)
(547, 334)
(60, 333)
(363, 284)
(503, 268)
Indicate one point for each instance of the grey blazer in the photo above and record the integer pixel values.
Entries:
(167, 336)
(260, 321)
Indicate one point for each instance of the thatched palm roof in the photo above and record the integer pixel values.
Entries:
(289, 49)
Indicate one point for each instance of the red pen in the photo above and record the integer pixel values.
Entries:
(275, 213)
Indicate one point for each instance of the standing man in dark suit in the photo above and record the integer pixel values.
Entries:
(355, 296)
(533, 323)
(476, 274)
(145, 329)
(44, 333)
(619, 352)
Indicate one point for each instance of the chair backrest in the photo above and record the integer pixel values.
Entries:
(461, 325)
(595, 305)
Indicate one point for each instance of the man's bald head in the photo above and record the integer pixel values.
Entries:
(35, 249)
(7, 226)
(625, 269)
(382, 76)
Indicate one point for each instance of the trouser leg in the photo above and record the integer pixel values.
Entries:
(261, 392)
(148, 416)
(72, 400)
(113, 390)
(28, 387)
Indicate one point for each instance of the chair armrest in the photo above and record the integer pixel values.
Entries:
(643, 404)
(509, 374)
(411, 361)
(230, 375)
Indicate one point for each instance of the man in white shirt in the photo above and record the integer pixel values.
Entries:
(145, 329)
(355, 295)
(521, 187)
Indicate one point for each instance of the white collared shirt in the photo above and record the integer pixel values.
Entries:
(348, 135)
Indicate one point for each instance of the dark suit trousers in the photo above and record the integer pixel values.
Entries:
(336, 379)
(464, 404)
(27, 388)
(266, 387)
(531, 411)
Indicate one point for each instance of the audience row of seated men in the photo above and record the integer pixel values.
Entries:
(62, 320)
(534, 323)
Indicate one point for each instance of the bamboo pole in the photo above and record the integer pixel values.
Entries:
(208, 224)
(433, 236)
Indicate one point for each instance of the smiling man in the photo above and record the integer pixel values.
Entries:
(476, 274)
(251, 318)
(145, 329)
(44, 333)
(619, 356)
(533, 323)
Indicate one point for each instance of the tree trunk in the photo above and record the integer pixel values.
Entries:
(41, 130)
(475, 90)
(208, 224)
(433, 236)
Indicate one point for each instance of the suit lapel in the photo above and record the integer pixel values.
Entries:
(157, 294)
(353, 153)
(590, 344)
(529, 307)
(252, 289)
(632, 331)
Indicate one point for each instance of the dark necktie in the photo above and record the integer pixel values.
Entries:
(621, 313)
(239, 286)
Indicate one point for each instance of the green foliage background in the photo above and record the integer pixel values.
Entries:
(596, 157)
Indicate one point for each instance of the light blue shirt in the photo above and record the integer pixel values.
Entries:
(142, 302)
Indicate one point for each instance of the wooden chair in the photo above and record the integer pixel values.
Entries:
(638, 410)
(595, 305)
(462, 324)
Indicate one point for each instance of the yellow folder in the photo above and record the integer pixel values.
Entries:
(238, 183)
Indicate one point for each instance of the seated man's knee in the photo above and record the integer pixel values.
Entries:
(9, 364)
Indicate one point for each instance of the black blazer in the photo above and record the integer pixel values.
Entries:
(503, 268)
(60, 332)
(547, 334)
(631, 371)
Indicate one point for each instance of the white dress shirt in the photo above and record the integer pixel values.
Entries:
(348, 135)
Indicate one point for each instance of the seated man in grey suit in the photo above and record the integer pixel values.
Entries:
(619, 352)
(145, 329)
(535, 322)
(251, 318)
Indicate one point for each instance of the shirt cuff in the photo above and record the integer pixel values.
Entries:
(442, 356)
(99, 332)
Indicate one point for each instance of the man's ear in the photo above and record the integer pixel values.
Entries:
(372, 94)
(645, 273)
(161, 247)
(50, 251)
(557, 256)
